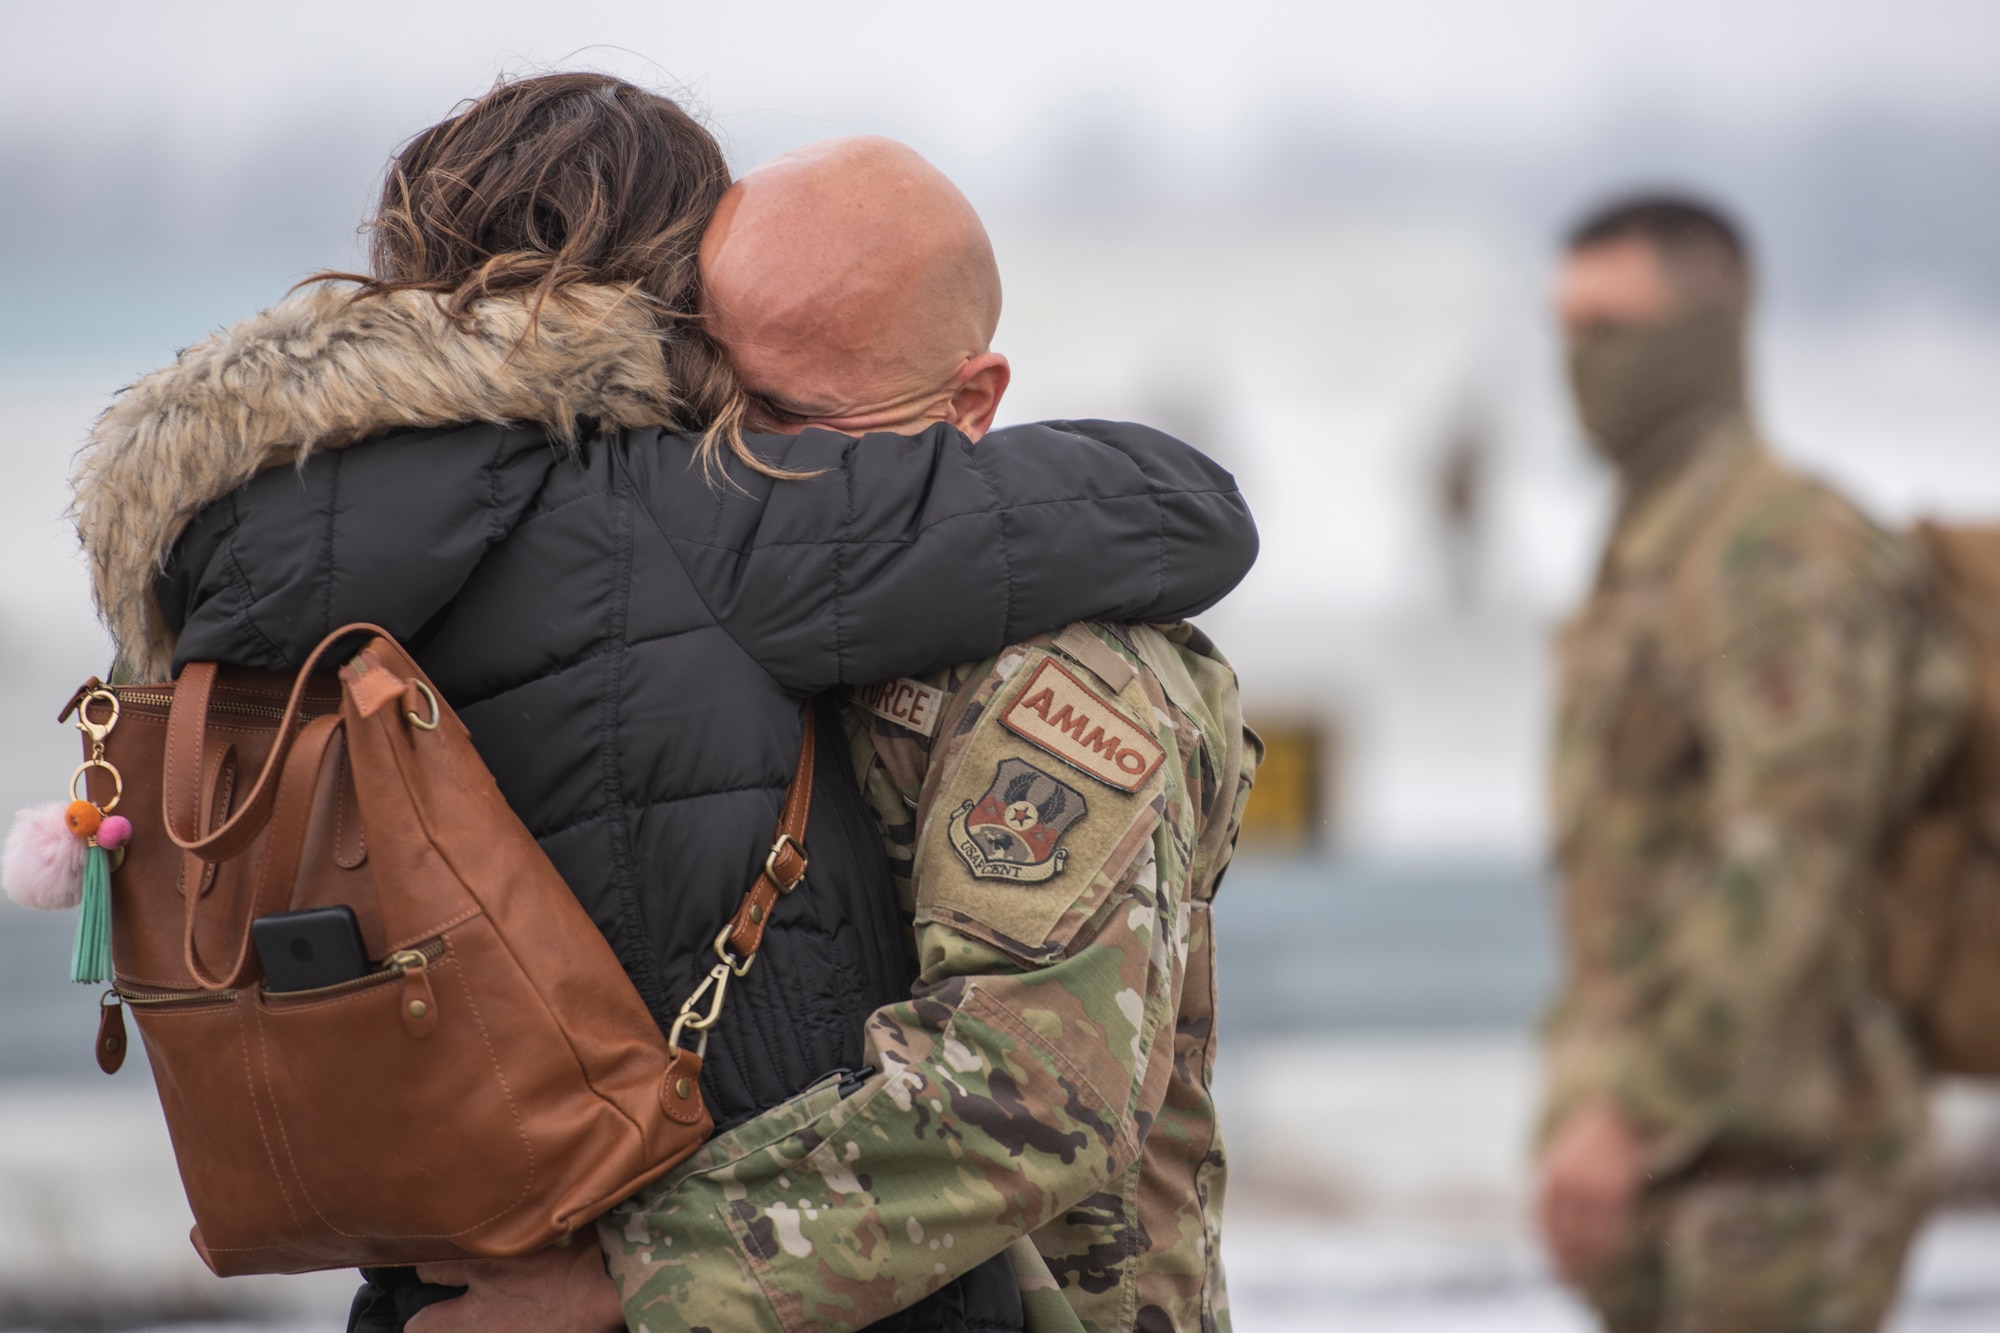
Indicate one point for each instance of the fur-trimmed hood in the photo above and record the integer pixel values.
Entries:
(322, 371)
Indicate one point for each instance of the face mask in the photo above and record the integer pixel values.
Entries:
(1646, 393)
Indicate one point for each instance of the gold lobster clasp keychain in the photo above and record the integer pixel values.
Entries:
(104, 835)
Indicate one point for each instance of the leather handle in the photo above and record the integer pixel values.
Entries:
(187, 730)
(187, 736)
(292, 811)
(218, 783)
(786, 864)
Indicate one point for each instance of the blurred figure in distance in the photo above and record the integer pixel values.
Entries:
(1734, 1130)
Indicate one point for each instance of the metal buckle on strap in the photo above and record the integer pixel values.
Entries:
(716, 986)
(771, 862)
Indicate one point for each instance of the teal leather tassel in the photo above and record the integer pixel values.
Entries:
(90, 959)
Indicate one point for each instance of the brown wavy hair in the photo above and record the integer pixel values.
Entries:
(560, 180)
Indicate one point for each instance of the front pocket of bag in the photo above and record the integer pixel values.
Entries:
(225, 1142)
(387, 1134)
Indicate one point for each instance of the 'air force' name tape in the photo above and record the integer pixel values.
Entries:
(907, 703)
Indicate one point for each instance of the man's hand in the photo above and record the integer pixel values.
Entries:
(1591, 1173)
(563, 1289)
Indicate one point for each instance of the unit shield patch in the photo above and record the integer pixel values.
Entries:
(1015, 830)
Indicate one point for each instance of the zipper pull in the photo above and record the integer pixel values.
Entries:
(420, 1009)
(110, 1032)
(370, 683)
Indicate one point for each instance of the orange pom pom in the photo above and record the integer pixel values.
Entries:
(83, 818)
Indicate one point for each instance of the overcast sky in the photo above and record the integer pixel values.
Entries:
(181, 160)
(971, 79)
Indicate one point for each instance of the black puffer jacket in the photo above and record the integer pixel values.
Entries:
(629, 646)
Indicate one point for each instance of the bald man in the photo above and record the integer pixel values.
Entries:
(855, 289)
(1056, 818)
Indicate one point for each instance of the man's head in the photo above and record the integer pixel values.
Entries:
(854, 288)
(1652, 295)
(1645, 260)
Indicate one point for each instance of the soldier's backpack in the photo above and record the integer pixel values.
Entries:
(1939, 909)
(1934, 905)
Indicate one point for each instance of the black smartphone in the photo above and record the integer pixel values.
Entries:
(320, 946)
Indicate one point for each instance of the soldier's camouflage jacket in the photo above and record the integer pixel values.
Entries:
(1748, 702)
(1046, 1090)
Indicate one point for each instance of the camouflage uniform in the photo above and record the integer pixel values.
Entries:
(1742, 696)
(1046, 1090)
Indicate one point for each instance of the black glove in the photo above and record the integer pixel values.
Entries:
(389, 1296)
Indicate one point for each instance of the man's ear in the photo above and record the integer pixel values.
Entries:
(976, 391)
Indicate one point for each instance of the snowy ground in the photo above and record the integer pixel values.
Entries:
(1407, 1278)
(1378, 1187)
(1379, 1184)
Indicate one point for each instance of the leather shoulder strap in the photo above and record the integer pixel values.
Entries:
(784, 870)
(785, 866)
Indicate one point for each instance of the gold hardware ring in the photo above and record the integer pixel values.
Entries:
(437, 714)
(118, 783)
(674, 1037)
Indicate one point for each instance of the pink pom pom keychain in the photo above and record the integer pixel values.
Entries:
(61, 855)
(43, 863)
(113, 832)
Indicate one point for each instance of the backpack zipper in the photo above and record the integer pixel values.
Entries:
(395, 965)
(147, 699)
(170, 997)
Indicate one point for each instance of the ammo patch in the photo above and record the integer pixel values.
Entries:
(910, 704)
(1059, 713)
(1014, 831)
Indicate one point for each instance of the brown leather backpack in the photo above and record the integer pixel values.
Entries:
(492, 1085)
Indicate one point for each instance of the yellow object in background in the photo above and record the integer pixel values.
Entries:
(1291, 805)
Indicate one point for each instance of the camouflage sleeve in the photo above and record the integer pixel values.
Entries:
(1800, 694)
(1020, 1076)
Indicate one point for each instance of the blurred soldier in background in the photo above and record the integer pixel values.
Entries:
(1734, 1134)
(1460, 480)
